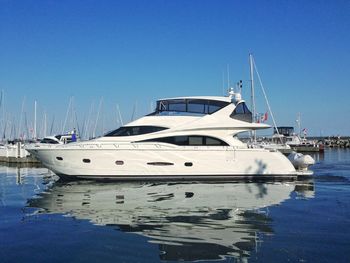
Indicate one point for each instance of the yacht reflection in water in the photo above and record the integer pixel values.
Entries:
(193, 221)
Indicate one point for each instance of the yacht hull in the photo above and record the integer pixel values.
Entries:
(155, 162)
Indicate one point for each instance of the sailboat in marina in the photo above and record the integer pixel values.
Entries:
(274, 145)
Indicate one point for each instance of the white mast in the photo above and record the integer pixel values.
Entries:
(65, 120)
(252, 86)
(52, 124)
(223, 84)
(228, 76)
(2, 111)
(251, 66)
(299, 123)
(35, 120)
(45, 125)
(98, 116)
(88, 122)
(20, 120)
(267, 101)
(134, 111)
(120, 116)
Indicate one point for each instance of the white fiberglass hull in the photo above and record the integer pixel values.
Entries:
(154, 161)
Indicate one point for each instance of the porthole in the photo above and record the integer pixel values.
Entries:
(86, 160)
(189, 194)
(188, 164)
(160, 163)
(119, 162)
(59, 158)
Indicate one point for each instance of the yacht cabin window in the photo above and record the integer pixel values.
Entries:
(193, 140)
(196, 106)
(242, 113)
(241, 108)
(134, 130)
(48, 140)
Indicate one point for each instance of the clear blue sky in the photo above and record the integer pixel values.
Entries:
(139, 51)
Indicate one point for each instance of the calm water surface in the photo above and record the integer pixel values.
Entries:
(45, 220)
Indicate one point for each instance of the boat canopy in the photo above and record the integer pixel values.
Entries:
(284, 130)
(188, 106)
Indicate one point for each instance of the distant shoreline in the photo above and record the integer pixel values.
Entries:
(328, 137)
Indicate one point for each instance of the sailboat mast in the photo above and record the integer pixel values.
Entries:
(20, 120)
(2, 123)
(252, 92)
(65, 120)
(120, 116)
(98, 116)
(228, 76)
(299, 123)
(252, 86)
(34, 120)
(45, 125)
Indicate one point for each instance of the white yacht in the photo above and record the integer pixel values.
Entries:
(184, 138)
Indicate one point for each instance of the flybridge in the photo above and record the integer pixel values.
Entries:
(189, 105)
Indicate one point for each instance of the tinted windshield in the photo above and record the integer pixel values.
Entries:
(242, 113)
(134, 130)
(197, 106)
(48, 140)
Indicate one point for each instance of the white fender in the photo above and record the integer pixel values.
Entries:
(301, 161)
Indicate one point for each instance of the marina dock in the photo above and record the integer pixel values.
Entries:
(20, 160)
(15, 153)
